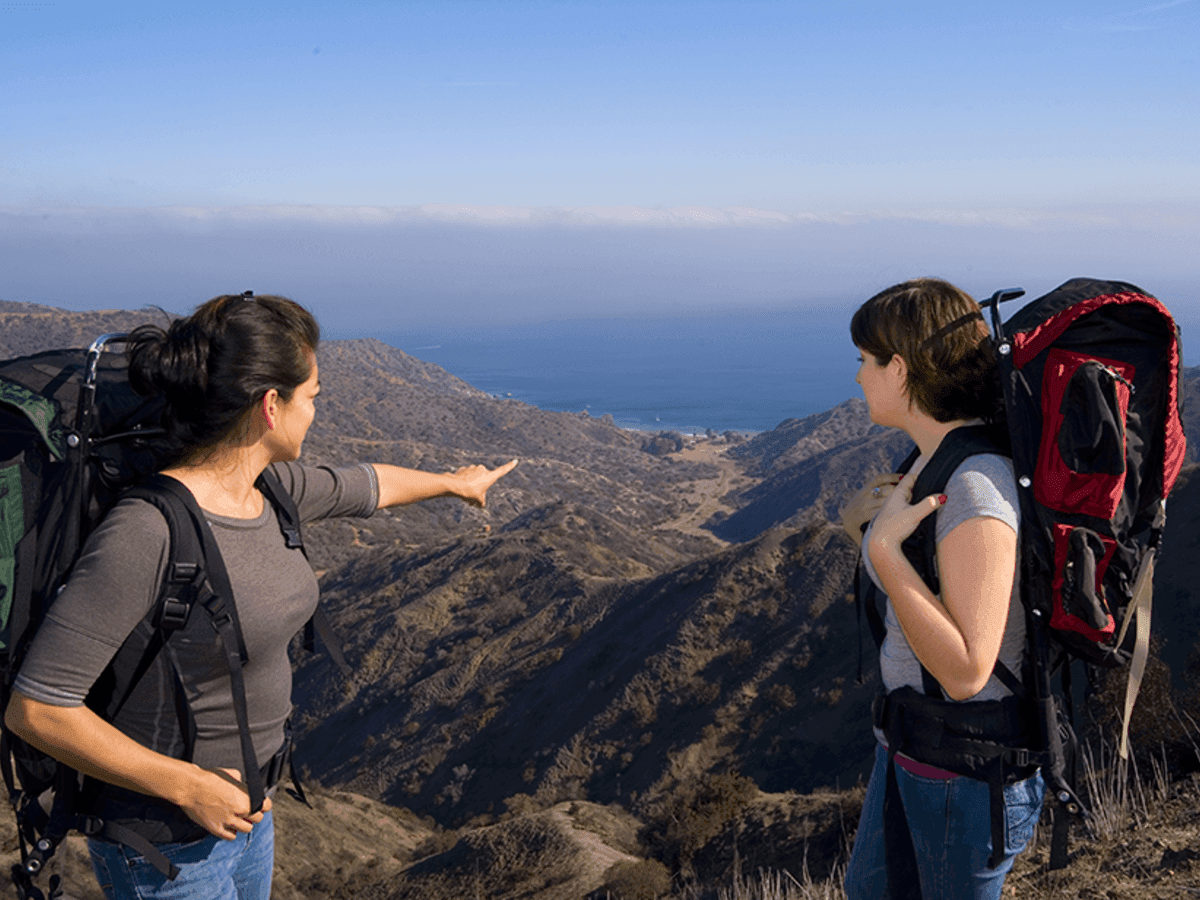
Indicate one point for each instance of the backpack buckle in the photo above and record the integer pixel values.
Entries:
(184, 572)
(173, 614)
(218, 612)
(1022, 757)
(91, 825)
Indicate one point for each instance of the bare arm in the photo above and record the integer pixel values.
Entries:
(399, 486)
(957, 636)
(213, 798)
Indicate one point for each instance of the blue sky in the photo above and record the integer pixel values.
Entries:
(440, 159)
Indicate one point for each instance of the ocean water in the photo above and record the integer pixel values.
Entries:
(745, 371)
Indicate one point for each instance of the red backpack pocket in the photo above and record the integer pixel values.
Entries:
(1081, 460)
(1081, 557)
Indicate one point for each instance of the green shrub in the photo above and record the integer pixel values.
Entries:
(693, 814)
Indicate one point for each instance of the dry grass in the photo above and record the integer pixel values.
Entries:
(1142, 841)
(769, 885)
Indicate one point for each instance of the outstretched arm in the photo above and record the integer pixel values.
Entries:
(399, 486)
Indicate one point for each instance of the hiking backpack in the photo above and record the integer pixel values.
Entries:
(1092, 422)
(74, 437)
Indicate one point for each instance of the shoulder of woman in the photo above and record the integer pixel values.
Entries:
(300, 480)
(986, 471)
(134, 518)
(123, 558)
(982, 486)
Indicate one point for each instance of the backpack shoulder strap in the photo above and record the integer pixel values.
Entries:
(215, 597)
(182, 578)
(285, 509)
(289, 523)
(921, 546)
(957, 446)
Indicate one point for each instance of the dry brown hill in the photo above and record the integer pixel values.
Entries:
(528, 663)
(575, 644)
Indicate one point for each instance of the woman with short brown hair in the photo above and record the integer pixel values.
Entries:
(927, 368)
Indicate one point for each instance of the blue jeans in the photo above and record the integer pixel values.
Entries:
(209, 869)
(950, 821)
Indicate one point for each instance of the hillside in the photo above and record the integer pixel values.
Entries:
(631, 666)
(458, 703)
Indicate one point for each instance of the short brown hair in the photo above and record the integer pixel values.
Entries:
(939, 331)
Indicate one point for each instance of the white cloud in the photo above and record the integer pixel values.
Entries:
(1181, 217)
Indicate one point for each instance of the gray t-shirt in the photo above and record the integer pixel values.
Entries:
(117, 580)
(983, 485)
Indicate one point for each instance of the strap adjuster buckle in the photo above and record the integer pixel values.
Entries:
(174, 613)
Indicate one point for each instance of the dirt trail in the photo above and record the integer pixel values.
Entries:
(704, 497)
(599, 857)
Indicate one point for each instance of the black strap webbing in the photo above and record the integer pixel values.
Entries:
(996, 795)
(223, 616)
(224, 620)
(289, 523)
(130, 838)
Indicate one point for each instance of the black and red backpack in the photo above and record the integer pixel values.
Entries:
(1091, 388)
(1092, 421)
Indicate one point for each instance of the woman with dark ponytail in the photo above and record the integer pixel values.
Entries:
(240, 379)
(211, 366)
(953, 652)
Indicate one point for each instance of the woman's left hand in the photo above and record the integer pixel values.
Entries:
(471, 483)
(862, 507)
(900, 517)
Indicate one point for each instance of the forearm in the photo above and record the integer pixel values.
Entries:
(215, 799)
(399, 486)
(81, 739)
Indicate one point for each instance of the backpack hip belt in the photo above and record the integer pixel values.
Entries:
(977, 739)
(158, 821)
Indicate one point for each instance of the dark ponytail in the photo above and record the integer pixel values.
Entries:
(213, 366)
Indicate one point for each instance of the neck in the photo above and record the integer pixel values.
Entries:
(223, 481)
(927, 433)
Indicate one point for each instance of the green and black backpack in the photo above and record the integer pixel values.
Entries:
(74, 437)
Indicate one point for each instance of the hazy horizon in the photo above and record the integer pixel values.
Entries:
(370, 271)
(455, 163)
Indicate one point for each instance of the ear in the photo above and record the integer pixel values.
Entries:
(270, 408)
(898, 368)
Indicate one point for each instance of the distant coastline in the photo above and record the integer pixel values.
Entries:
(743, 372)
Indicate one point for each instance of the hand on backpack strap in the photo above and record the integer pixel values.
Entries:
(899, 517)
(218, 800)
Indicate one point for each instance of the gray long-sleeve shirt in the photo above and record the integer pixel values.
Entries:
(117, 579)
